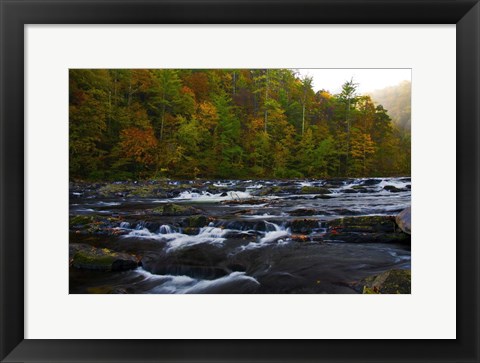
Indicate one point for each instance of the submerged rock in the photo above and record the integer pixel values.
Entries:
(389, 282)
(92, 258)
(369, 182)
(366, 229)
(403, 220)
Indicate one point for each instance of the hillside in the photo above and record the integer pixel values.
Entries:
(397, 101)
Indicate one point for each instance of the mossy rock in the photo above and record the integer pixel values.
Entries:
(392, 189)
(147, 191)
(191, 231)
(81, 220)
(103, 259)
(314, 190)
(197, 221)
(95, 224)
(389, 282)
(270, 190)
(303, 225)
(171, 209)
(73, 248)
(385, 224)
(115, 189)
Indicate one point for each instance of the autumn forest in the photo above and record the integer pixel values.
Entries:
(231, 124)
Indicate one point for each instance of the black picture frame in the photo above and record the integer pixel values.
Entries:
(15, 14)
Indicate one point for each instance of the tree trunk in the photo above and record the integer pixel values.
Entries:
(303, 118)
(266, 101)
(348, 136)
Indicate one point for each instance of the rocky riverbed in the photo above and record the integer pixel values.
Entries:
(229, 236)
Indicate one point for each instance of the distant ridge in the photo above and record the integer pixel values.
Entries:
(397, 101)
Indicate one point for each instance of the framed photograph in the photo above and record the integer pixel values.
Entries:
(237, 181)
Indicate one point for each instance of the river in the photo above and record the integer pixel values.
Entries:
(237, 236)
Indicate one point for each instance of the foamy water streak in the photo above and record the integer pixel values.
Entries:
(274, 233)
(209, 197)
(170, 284)
(175, 240)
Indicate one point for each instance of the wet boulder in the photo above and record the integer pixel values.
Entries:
(389, 282)
(403, 220)
(170, 209)
(274, 190)
(392, 189)
(314, 190)
(191, 231)
(95, 224)
(103, 259)
(197, 221)
(360, 189)
(303, 225)
(73, 248)
(300, 238)
(369, 224)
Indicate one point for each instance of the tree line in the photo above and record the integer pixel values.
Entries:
(232, 123)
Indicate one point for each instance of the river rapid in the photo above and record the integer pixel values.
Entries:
(236, 236)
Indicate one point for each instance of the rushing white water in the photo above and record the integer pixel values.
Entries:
(305, 184)
(209, 197)
(108, 203)
(124, 225)
(394, 182)
(176, 240)
(255, 186)
(165, 229)
(274, 233)
(209, 234)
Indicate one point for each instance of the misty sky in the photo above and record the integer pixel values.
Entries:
(368, 79)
